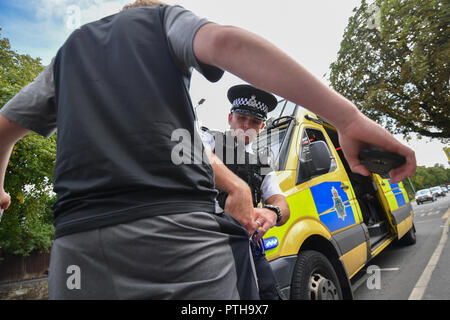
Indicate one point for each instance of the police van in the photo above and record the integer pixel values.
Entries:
(339, 220)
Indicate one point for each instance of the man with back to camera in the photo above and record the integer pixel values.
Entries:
(247, 117)
(115, 91)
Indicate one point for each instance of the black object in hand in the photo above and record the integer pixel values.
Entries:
(380, 162)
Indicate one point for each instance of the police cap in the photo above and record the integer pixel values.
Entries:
(251, 101)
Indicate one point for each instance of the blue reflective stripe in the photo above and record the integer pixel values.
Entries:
(393, 186)
(334, 223)
(398, 194)
(400, 199)
(325, 200)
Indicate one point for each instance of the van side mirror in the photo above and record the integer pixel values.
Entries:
(315, 160)
(321, 158)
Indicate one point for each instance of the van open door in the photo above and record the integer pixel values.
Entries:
(396, 203)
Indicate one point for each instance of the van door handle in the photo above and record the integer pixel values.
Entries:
(344, 186)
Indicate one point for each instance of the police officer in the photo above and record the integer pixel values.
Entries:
(234, 148)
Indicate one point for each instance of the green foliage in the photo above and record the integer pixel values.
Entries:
(394, 64)
(16, 70)
(427, 177)
(28, 223)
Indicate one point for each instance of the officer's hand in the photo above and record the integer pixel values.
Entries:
(239, 204)
(362, 133)
(265, 219)
(5, 200)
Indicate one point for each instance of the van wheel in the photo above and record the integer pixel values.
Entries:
(314, 278)
(409, 238)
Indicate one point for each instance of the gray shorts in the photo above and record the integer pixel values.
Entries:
(183, 256)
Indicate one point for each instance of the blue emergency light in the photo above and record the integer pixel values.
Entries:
(270, 243)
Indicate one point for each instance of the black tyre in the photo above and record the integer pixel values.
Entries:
(409, 238)
(314, 278)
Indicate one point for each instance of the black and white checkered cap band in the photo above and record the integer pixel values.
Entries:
(251, 103)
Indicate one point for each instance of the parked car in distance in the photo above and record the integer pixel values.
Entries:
(424, 195)
(437, 191)
(445, 189)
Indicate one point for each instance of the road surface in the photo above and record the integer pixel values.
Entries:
(417, 272)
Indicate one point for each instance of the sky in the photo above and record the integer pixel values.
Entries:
(309, 31)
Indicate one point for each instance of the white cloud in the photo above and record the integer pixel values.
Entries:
(46, 32)
(89, 10)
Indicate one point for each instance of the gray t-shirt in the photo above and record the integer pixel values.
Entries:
(33, 107)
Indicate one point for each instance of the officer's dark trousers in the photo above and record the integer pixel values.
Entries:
(267, 283)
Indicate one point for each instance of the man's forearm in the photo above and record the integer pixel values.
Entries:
(260, 63)
(5, 153)
(10, 133)
(246, 54)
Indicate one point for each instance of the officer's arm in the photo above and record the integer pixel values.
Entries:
(260, 63)
(280, 201)
(10, 133)
(239, 202)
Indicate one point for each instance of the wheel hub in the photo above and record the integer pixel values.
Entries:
(322, 288)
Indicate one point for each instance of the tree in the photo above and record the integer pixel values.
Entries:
(28, 224)
(394, 64)
(430, 177)
(16, 70)
(427, 177)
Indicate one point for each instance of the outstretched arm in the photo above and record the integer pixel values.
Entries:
(10, 133)
(260, 63)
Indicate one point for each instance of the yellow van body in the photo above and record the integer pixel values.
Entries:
(327, 215)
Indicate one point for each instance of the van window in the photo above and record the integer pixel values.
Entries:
(288, 109)
(276, 113)
(309, 136)
(271, 142)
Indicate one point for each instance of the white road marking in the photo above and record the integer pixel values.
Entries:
(446, 215)
(389, 269)
(422, 283)
(427, 220)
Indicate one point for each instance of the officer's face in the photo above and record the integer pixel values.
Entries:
(245, 127)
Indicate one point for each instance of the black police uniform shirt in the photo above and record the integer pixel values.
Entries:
(114, 119)
(269, 186)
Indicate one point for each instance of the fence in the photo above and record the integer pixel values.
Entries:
(18, 268)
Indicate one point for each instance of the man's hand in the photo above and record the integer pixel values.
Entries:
(239, 204)
(362, 133)
(5, 200)
(265, 219)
